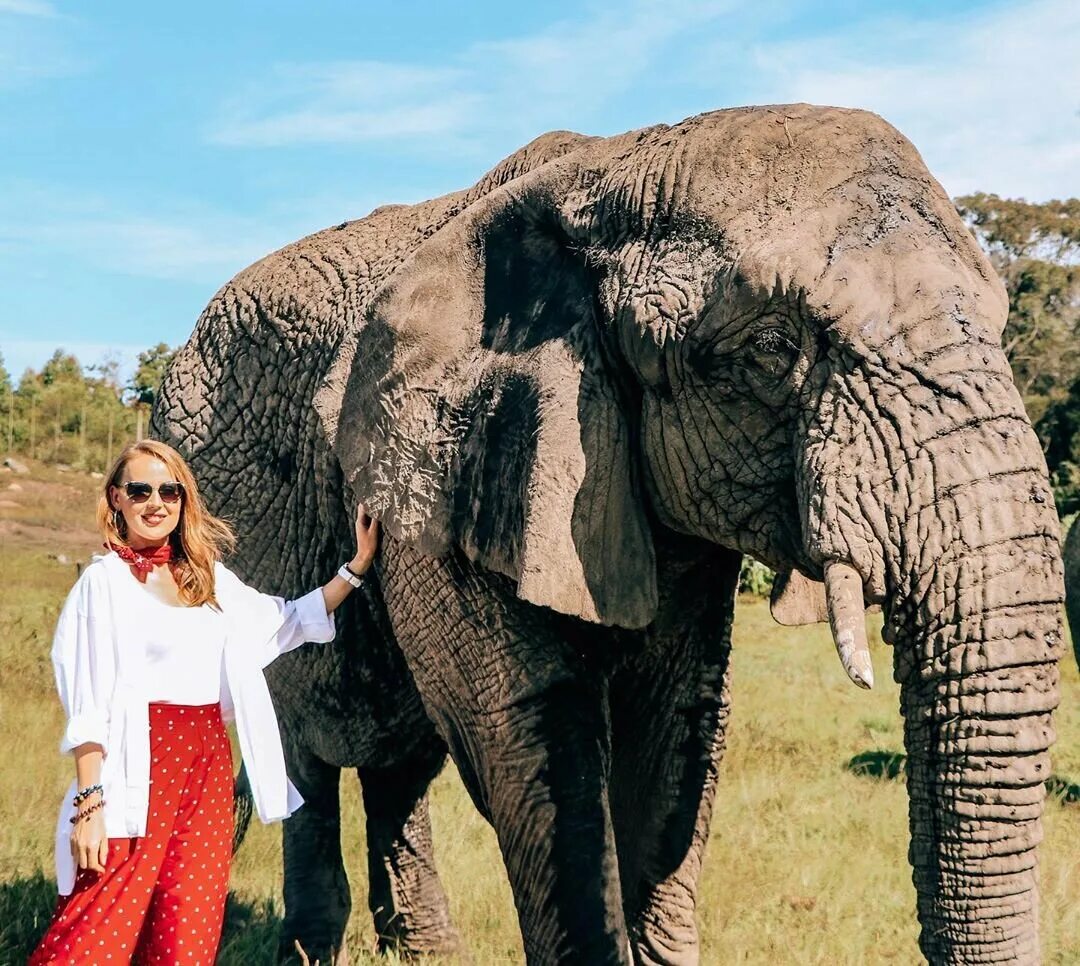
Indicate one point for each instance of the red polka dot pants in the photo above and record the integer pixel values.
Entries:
(161, 898)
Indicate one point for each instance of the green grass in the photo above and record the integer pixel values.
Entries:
(807, 861)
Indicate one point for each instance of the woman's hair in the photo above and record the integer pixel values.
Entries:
(199, 539)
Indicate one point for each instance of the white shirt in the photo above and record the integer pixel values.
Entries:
(99, 656)
(185, 648)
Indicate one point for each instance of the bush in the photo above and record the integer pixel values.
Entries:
(755, 578)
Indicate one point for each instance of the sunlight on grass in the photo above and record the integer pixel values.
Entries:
(807, 861)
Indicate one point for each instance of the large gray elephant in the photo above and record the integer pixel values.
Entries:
(575, 395)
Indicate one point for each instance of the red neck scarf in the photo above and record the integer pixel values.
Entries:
(142, 562)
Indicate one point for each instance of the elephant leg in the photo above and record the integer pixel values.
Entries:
(406, 898)
(508, 686)
(669, 712)
(317, 900)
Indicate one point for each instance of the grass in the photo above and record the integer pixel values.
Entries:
(807, 861)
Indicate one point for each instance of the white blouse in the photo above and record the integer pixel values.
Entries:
(104, 667)
(185, 648)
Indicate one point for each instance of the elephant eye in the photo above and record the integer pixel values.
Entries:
(771, 352)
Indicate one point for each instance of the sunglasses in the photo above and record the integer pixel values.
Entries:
(140, 492)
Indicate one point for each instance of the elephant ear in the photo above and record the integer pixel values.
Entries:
(479, 409)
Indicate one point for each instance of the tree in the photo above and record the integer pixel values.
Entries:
(1035, 248)
(1014, 228)
(65, 413)
(107, 369)
(7, 393)
(151, 370)
(147, 380)
(61, 367)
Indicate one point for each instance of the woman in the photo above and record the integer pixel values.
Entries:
(158, 643)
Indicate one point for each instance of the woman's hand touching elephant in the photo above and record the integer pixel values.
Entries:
(367, 540)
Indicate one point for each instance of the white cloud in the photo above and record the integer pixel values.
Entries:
(28, 8)
(36, 43)
(199, 248)
(516, 87)
(991, 100)
(991, 97)
(178, 241)
(591, 60)
(342, 103)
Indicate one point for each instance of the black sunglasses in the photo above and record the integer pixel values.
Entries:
(140, 492)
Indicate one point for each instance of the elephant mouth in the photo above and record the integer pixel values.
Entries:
(839, 600)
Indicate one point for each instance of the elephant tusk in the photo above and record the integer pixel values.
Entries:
(847, 618)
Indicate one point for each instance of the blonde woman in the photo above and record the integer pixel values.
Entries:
(158, 644)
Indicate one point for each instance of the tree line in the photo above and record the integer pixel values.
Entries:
(81, 416)
(1036, 251)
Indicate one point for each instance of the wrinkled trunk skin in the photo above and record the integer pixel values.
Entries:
(979, 681)
(972, 570)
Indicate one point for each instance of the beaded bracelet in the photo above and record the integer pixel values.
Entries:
(86, 793)
(85, 812)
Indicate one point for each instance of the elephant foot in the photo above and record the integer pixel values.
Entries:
(316, 887)
(415, 943)
(665, 937)
(407, 900)
(315, 954)
(426, 931)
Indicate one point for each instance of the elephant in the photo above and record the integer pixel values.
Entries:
(575, 395)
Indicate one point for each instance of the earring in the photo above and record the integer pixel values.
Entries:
(118, 519)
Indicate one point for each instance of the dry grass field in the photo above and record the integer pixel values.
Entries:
(807, 862)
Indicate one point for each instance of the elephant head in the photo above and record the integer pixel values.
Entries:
(767, 328)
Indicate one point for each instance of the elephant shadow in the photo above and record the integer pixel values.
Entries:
(250, 934)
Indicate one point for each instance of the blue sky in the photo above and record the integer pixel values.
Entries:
(151, 151)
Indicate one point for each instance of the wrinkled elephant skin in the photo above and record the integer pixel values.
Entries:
(574, 395)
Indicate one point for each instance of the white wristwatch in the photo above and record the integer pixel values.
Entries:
(347, 575)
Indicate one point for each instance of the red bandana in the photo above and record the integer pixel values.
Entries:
(141, 562)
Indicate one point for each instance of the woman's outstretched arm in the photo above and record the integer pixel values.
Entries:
(311, 617)
(367, 541)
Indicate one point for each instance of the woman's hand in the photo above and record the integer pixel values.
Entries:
(89, 844)
(367, 540)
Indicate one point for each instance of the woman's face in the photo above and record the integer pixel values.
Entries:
(151, 520)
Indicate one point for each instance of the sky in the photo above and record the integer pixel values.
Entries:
(148, 152)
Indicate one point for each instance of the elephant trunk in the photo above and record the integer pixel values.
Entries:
(948, 517)
(977, 641)
(977, 693)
